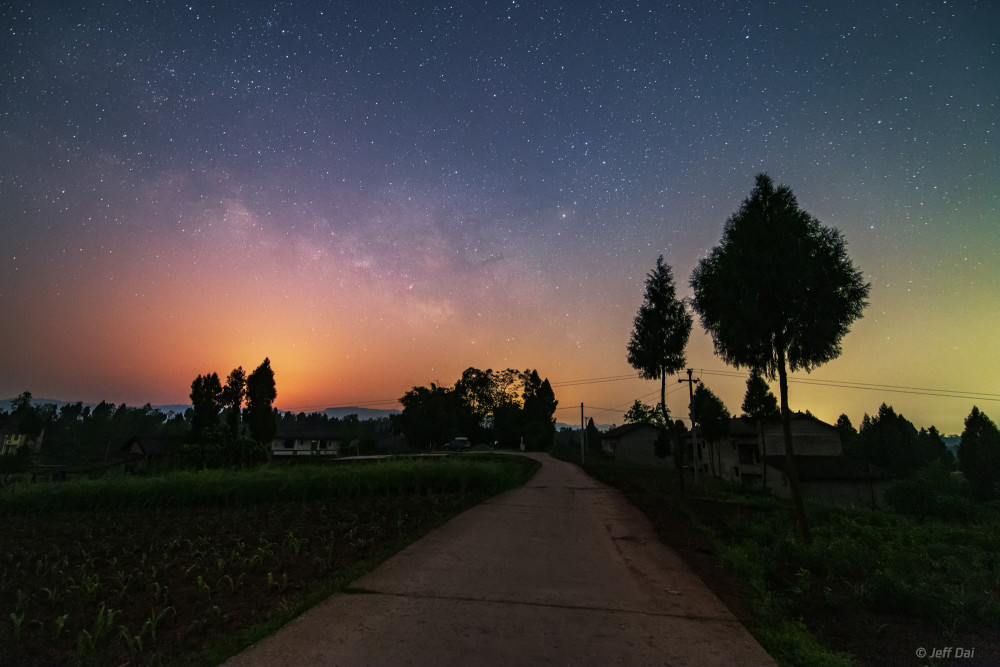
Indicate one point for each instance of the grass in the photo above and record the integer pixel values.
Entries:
(189, 568)
(870, 587)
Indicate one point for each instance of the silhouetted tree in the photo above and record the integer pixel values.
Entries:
(539, 411)
(979, 455)
(849, 440)
(931, 449)
(642, 413)
(712, 417)
(660, 331)
(778, 293)
(206, 400)
(889, 440)
(232, 398)
(261, 392)
(758, 401)
(594, 438)
(431, 416)
(760, 405)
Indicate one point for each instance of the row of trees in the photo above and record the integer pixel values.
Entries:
(82, 435)
(485, 406)
(223, 432)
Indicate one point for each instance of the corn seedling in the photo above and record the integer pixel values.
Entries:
(60, 623)
(18, 621)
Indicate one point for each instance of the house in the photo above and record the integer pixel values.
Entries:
(635, 443)
(11, 441)
(143, 453)
(306, 440)
(754, 455)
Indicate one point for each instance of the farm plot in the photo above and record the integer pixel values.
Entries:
(188, 581)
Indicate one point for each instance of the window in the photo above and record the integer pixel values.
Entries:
(289, 443)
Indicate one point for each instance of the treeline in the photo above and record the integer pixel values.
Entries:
(493, 407)
(892, 442)
(79, 434)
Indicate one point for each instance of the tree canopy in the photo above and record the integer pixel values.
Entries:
(261, 393)
(780, 289)
(641, 413)
(484, 406)
(979, 455)
(759, 402)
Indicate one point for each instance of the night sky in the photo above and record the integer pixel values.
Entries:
(377, 195)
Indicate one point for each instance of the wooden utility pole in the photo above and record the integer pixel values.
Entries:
(583, 437)
(694, 442)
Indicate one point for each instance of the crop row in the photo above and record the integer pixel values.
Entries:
(145, 585)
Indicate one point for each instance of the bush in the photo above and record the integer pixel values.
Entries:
(932, 492)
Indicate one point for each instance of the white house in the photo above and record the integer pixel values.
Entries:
(306, 440)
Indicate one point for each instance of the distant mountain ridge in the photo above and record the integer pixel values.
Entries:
(363, 414)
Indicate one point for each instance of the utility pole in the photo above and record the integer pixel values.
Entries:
(694, 442)
(583, 438)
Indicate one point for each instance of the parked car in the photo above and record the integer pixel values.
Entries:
(458, 444)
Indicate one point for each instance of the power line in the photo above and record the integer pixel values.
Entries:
(869, 386)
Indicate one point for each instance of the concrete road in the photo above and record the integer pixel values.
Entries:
(562, 571)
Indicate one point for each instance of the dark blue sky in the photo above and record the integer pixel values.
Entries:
(341, 184)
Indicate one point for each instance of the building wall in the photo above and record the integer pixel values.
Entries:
(860, 493)
(640, 447)
(304, 447)
(810, 438)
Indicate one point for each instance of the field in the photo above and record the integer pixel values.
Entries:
(188, 568)
(871, 588)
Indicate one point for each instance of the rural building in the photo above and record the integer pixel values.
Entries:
(635, 443)
(306, 440)
(754, 455)
(146, 453)
(11, 441)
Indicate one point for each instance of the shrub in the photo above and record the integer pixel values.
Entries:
(932, 492)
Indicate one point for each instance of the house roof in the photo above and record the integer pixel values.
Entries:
(629, 428)
(830, 468)
(154, 445)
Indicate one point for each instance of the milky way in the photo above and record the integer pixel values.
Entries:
(377, 195)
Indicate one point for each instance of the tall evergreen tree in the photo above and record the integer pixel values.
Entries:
(539, 411)
(261, 392)
(232, 398)
(979, 455)
(778, 294)
(206, 401)
(660, 331)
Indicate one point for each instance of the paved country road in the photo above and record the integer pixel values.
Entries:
(561, 571)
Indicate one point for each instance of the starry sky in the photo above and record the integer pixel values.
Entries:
(377, 195)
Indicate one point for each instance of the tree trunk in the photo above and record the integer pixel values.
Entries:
(790, 464)
(763, 452)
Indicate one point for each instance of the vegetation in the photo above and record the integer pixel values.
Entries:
(779, 293)
(868, 588)
(712, 417)
(193, 566)
(641, 413)
(979, 455)
(484, 406)
(660, 333)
